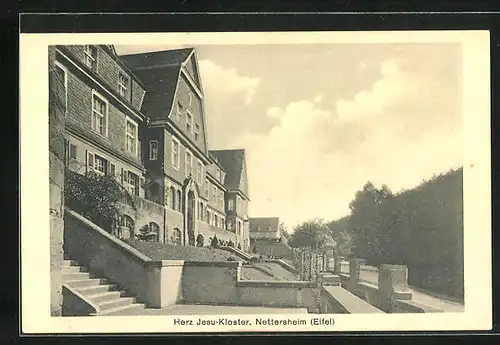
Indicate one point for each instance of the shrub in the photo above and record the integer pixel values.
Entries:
(95, 197)
(215, 242)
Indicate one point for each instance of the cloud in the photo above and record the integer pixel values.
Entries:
(402, 129)
(319, 98)
(274, 112)
(227, 81)
(227, 97)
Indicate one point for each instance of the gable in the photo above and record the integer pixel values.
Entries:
(243, 185)
(191, 67)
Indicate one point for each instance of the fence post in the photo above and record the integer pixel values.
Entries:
(393, 286)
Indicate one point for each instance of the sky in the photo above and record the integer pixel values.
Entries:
(318, 121)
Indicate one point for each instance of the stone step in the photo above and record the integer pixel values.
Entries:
(106, 296)
(96, 289)
(70, 276)
(125, 310)
(74, 269)
(87, 282)
(67, 263)
(115, 303)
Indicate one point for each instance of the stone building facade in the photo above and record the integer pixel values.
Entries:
(104, 127)
(182, 174)
(140, 118)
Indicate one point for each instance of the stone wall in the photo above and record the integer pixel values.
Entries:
(56, 110)
(155, 283)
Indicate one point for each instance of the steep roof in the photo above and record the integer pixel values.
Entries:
(233, 162)
(160, 58)
(263, 224)
(160, 85)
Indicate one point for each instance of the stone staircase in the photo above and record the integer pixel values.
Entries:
(108, 297)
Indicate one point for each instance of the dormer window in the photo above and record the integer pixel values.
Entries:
(122, 84)
(91, 57)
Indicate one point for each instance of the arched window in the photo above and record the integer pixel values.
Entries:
(176, 236)
(126, 227)
(200, 241)
(216, 220)
(154, 229)
(171, 198)
(179, 201)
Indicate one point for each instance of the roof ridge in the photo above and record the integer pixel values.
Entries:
(158, 51)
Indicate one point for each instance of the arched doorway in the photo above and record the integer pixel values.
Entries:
(190, 217)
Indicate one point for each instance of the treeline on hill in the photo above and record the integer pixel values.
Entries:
(421, 228)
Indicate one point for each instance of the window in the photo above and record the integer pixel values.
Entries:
(216, 221)
(175, 153)
(132, 183)
(230, 224)
(153, 150)
(100, 165)
(189, 162)
(214, 195)
(179, 201)
(230, 204)
(206, 187)
(176, 237)
(223, 223)
(190, 99)
(91, 57)
(132, 137)
(154, 229)
(72, 151)
(99, 114)
(199, 172)
(122, 84)
(62, 74)
(217, 174)
(221, 200)
(196, 131)
(209, 217)
(238, 224)
(189, 122)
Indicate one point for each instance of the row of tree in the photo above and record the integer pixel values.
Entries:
(421, 228)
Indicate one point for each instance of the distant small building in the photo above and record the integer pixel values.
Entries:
(264, 228)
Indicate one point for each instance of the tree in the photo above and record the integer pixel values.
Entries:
(95, 197)
(339, 232)
(366, 223)
(311, 234)
(284, 235)
(230, 243)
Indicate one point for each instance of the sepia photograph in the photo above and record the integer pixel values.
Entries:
(253, 182)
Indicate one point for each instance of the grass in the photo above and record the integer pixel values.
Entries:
(163, 251)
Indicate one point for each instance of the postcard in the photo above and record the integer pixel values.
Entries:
(255, 182)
